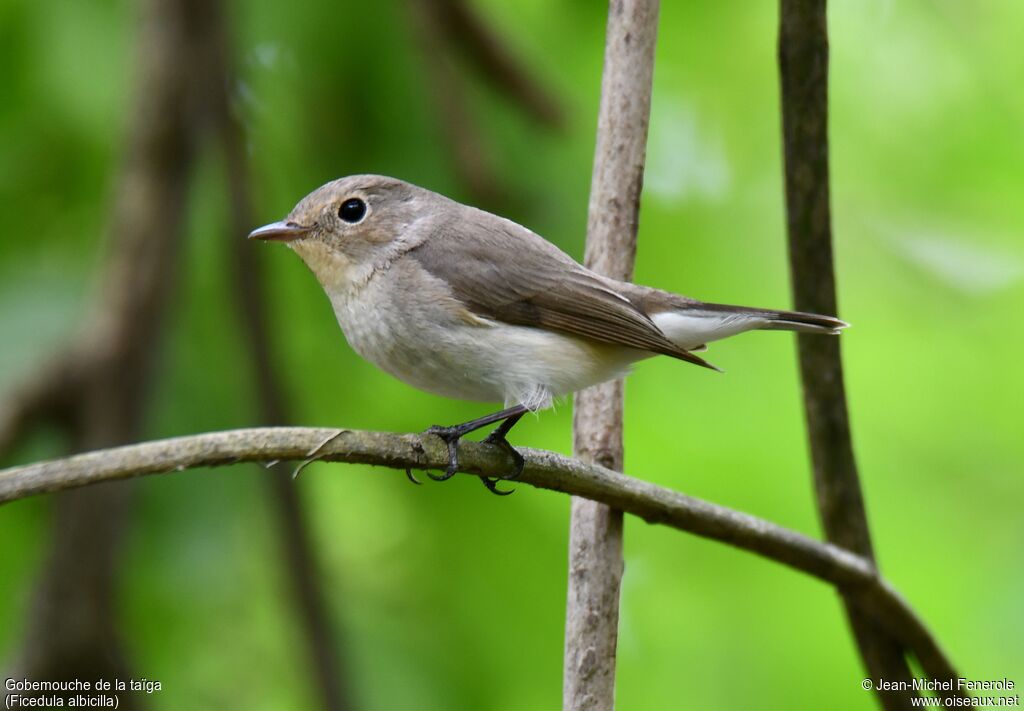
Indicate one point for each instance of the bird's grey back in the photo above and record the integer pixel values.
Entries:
(503, 271)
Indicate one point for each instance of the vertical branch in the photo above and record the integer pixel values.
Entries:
(470, 154)
(595, 536)
(249, 289)
(803, 61)
(71, 630)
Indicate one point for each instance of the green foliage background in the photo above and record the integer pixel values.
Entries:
(445, 597)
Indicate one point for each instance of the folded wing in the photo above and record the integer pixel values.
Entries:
(533, 283)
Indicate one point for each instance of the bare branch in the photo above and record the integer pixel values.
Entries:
(46, 395)
(595, 534)
(495, 61)
(248, 286)
(72, 626)
(854, 575)
(470, 156)
(803, 61)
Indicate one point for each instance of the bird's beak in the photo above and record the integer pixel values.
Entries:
(280, 232)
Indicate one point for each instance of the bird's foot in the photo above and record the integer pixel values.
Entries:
(451, 437)
(497, 438)
(491, 484)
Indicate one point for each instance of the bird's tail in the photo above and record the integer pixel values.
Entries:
(789, 320)
(692, 325)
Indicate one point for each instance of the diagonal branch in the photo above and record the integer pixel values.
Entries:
(248, 286)
(489, 53)
(47, 395)
(803, 62)
(452, 35)
(855, 576)
(98, 388)
(469, 152)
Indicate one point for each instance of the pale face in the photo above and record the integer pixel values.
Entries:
(346, 225)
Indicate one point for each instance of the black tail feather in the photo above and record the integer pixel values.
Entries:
(785, 320)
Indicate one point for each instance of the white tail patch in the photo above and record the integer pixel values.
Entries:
(694, 328)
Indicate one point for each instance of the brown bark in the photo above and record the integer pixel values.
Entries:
(849, 572)
(488, 52)
(71, 631)
(595, 534)
(469, 153)
(803, 59)
(248, 287)
(451, 30)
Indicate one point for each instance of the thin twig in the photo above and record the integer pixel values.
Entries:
(46, 395)
(470, 154)
(803, 61)
(248, 286)
(496, 62)
(595, 534)
(854, 575)
(71, 630)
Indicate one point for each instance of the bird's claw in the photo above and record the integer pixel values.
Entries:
(491, 484)
(498, 440)
(411, 477)
(450, 436)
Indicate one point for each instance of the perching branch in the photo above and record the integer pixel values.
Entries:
(856, 577)
(803, 61)
(595, 534)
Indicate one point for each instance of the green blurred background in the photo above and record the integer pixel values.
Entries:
(445, 597)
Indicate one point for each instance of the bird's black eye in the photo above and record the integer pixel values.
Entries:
(352, 210)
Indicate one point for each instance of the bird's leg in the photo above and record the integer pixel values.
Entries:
(451, 436)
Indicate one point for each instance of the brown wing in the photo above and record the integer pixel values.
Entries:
(503, 271)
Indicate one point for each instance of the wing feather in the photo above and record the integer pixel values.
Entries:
(502, 271)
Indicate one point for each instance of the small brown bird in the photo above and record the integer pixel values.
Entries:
(462, 303)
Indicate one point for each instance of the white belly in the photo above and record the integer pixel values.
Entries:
(430, 343)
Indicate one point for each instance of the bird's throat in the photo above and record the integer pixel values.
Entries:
(333, 269)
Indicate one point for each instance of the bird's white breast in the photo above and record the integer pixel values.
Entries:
(428, 339)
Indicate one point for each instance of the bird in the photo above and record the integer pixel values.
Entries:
(465, 304)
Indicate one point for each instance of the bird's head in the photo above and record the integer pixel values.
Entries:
(350, 224)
